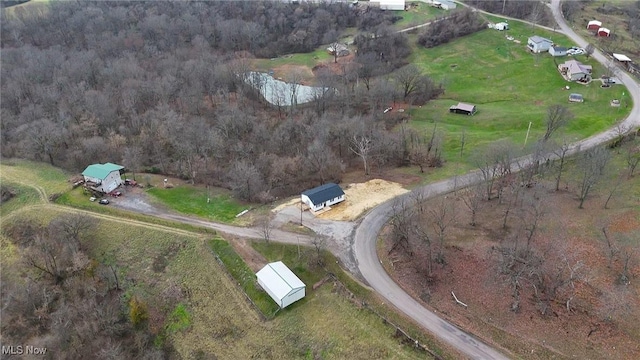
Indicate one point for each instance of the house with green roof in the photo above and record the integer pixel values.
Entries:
(103, 177)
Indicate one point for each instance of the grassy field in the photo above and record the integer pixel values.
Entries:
(417, 13)
(25, 195)
(192, 200)
(511, 87)
(244, 276)
(50, 179)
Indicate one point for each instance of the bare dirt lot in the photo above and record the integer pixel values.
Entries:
(593, 315)
(362, 197)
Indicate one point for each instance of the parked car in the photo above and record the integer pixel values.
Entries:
(93, 198)
(576, 51)
(130, 182)
(104, 201)
(115, 193)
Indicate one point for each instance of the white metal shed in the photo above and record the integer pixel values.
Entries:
(281, 283)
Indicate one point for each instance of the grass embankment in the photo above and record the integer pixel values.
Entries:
(30, 8)
(511, 88)
(244, 276)
(369, 326)
(189, 199)
(24, 196)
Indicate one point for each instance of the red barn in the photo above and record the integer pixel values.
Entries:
(594, 25)
(603, 32)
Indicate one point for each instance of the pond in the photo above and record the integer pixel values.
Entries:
(281, 93)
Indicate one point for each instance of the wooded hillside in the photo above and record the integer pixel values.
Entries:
(157, 86)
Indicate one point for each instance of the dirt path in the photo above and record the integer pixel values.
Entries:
(6, 173)
(70, 210)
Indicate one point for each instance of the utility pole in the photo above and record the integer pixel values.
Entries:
(527, 137)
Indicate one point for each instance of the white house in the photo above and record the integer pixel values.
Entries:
(538, 44)
(103, 177)
(389, 4)
(558, 51)
(281, 284)
(575, 71)
(321, 196)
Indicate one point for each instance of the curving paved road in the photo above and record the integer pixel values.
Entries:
(367, 232)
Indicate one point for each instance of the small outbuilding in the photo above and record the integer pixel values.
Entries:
(538, 44)
(322, 196)
(558, 51)
(444, 4)
(340, 49)
(576, 98)
(594, 25)
(621, 58)
(281, 284)
(624, 60)
(603, 32)
(390, 4)
(103, 177)
(501, 26)
(463, 108)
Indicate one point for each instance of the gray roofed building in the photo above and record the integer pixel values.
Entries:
(323, 195)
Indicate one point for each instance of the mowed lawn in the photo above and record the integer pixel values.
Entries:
(510, 87)
(188, 199)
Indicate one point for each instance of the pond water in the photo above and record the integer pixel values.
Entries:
(281, 93)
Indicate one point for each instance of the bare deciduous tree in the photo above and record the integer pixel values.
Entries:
(422, 233)
(561, 152)
(633, 157)
(473, 200)
(442, 215)
(557, 117)
(402, 218)
(591, 166)
(265, 225)
(361, 145)
(588, 50)
(407, 79)
(319, 243)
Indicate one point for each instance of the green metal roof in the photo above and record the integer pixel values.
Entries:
(101, 171)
